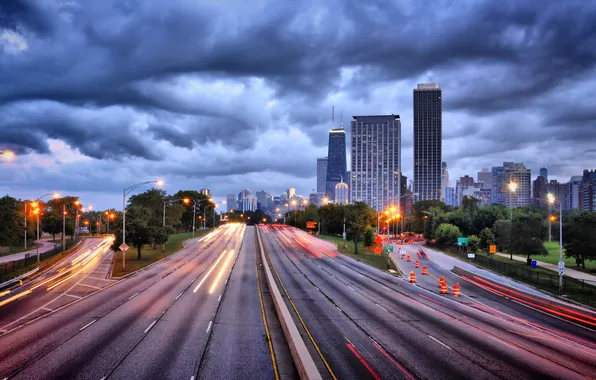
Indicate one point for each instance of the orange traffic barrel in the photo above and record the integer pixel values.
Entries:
(408, 259)
(403, 256)
(412, 277)
(444, 287)
(417, 264)
(424, 269)
(456, 290)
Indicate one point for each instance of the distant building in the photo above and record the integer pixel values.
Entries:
(510, 172)
(539, 191)
(231, 202)
(485, 177)
(444, 179)
(544, 173)
(427, 141)
(461, 188)
(588, 191)
(321, 174)
(283, 197)
(572, 193)
(262, 200)
(341, 193)
(291, 192)
(375, 160)
(206, 192)
(450, 196)
(336, 158)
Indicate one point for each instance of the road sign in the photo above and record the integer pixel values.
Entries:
(311, 225)
(471, 255)
(124, 247)
(388, 249)
(378, 239)
(561, 268)
(493, 248)
(462, 241)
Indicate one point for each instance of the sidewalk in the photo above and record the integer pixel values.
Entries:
(45, 246)
(555, 268)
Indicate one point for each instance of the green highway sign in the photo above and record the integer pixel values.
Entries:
(388, 249)
(462, 241)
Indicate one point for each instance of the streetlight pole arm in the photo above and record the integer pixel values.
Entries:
(131, 188)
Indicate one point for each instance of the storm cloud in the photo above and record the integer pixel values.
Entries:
(231, 94)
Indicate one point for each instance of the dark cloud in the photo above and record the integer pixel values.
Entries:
(24, 13)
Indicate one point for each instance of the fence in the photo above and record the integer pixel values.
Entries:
(10, 267)
(570, 285)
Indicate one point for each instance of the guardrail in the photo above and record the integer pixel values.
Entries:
(17, 279)
(9, 267)
(304, 362)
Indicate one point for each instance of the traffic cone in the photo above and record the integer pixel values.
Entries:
(408, 259)
(456, 292)
(441, 280)
(444, 289)
(424, 269)
(403, 256)
(412, 277)
(417, 264)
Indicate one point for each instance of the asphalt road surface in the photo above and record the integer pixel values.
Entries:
(168, 321)
(366, 323)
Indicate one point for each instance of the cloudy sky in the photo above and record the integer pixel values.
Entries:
(233, 94)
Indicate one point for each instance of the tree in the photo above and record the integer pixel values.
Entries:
(580, 237)
(369, 236)
(460, 219)
(527, 235)
(473, 243)
(51, 222)
(469, 204)
(331, 218)
(447, 234)
(159, 235)
(487, 238)
(137, 232)
(420, 218)
(502, 232)
(358, 216)
(12, 227)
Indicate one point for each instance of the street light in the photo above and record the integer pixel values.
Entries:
(551, 201)
(7, 155)
(36, 212)
(295, 213)
(125, 192)
(512, 189)
(194, 210)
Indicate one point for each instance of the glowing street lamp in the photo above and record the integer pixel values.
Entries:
(7, 155)
(512, 189)
(551, 201)
(37, 212)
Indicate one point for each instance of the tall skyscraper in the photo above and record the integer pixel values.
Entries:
(428, 127)
(444, 179)
(572, 193)
(544, 173)
(291, 192)
(231, 202)
(262, 200)
(462, 185)
(336, 158)
(588, 191)
(321, 174)
(539, 191)
(511, 172)
(375, 160)
(341, 193)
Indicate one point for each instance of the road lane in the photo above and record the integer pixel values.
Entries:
(49, 336)
(463, 342)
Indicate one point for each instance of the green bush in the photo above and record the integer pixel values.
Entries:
(369, 236)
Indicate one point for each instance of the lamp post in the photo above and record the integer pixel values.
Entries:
(549, 218)
(194, 211)
(551, 201)
(125, 192)
(7, 155)
(37, 211)
(512, 189)
(167, 202)
(89, 209)
(295, 213)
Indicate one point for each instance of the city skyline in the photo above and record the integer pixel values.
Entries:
(97, 129)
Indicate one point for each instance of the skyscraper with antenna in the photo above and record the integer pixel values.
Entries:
(336, 156)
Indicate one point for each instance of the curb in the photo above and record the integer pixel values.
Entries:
(304, 362)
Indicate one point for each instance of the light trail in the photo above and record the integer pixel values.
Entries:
(209, 271)
(221, 271)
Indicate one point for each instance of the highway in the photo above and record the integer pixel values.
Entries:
(195, 314)
(361, 322)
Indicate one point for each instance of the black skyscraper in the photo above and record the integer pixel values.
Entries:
(336, 160)
(427, 141)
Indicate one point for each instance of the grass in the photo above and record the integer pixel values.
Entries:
(347, 248)
(553, 258)
(150, 255)
(586, 298)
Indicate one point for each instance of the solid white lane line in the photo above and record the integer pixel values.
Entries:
(219, 298)
(381, 307)
(179, 295)
(133, 296)
(88, 324)
(72, 295)
(46, 309)
(209, 327)
(351, 288)
(438, 341)
(192, 378)
(89, 286)
(500, 341)
(149, 328)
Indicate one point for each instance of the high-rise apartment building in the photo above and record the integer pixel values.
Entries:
(486, 178)
(321, 174)
(450, 196)
(444, 179)
(461, 188)
(291, 192)
(375, 160)
(544, 173)
(427, 141)
(206, 192)
(336, 158)
(502, 176)
(588, 191)
(539, 191)
(262, 200)
(572, 193)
